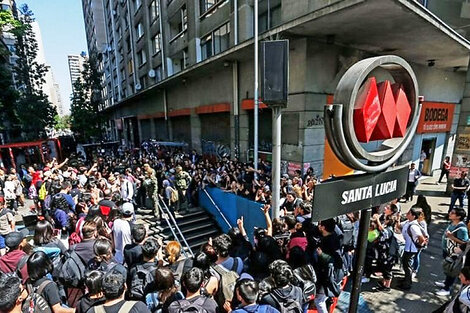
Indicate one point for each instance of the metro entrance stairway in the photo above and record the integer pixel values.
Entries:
(196, 226)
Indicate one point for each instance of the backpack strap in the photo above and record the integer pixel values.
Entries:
(127, 306)
(100, 309)
(22, 262)
(235, 265)
(42, 286)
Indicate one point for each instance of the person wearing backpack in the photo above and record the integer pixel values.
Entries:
(94, 296)
(141, 277)
(165, 292)
(385, 259)
(39, 269)
(222, 245)
(284, 297)
(15, 259)
(12, 294)
(456, 234)
(194, 302)
(84, 249)
(114, 289)
(247, 293)
(414, 240)
(104, 260)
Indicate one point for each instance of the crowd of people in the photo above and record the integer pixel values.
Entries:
(87, 252)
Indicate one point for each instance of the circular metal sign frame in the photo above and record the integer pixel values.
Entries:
(339, 123)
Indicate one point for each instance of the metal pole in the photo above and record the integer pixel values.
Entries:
(255, 125)
(236, 110)
(235, 22)
(361, 256)
(276, 159)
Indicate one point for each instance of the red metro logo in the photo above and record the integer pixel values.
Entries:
(381, 111)
(385, 112)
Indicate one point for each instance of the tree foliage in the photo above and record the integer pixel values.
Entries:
(62, 122)
(33, 108)
(86, 119)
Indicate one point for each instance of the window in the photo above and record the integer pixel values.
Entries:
(205, 5)
(221, 38)
(206, 47)
(216, 42)
(142, 57)
(156, 43)
(140, 30)
(154, 10)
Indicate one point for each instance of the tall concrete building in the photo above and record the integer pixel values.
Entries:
(76, 67)
(173, 67)
(49, 86)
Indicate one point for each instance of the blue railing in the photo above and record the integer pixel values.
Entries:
(232, 207)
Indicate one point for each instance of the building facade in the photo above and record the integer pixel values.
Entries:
(76, 67)
(182, 70)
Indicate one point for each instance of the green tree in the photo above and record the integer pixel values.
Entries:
(8, 93)
(34, 110)
(86, 102)
(62, 122)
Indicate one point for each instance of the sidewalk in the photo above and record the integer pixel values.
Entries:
(421, 297)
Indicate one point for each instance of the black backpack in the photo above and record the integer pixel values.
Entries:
(285, 304)
(347, 227)
(142, 275)
(185, 306)
(72, 272)
(306, 279)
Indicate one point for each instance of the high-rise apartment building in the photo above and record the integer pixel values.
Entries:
(183, 70)
(76, 67)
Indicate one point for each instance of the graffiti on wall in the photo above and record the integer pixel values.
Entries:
(214, 150)
(318, 120)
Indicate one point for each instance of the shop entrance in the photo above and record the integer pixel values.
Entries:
(428, 146)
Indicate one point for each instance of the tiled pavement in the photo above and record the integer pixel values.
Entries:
(421, 297)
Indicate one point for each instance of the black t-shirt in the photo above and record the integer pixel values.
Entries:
(138, 307)
(50, 293)
(460, 182)
(85, 303)
(133, 254)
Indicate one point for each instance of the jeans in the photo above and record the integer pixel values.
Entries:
(444, 172)
(453, 199)
(416, 262)
(407, 260)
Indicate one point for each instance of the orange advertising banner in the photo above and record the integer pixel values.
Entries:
(436, 117)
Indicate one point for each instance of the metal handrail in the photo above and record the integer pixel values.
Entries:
(218, 209)
(165, 216)
(176, 226)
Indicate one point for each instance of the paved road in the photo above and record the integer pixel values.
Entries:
(421, 297)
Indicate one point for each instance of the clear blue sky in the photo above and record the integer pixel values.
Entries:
(63, 33)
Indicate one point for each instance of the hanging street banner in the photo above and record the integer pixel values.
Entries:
(347, 194)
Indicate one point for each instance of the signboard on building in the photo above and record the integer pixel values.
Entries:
(352, 193)
(436, 117)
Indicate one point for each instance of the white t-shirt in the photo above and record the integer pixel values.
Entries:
(122, 237)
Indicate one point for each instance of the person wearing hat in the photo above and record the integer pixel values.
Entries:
(122, 230)
(15, 258)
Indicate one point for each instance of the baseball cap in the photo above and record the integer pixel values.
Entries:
(13, 239)
(127, 209)
(286, 176)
